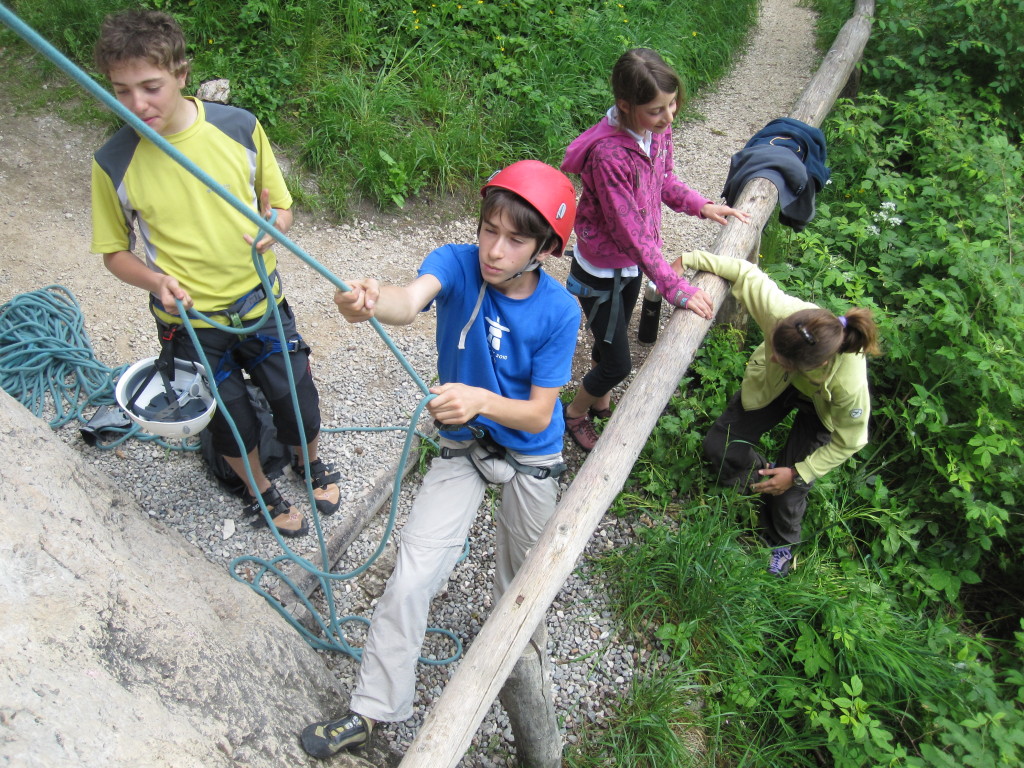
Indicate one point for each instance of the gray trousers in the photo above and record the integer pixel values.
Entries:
(731, 447)
(429, 546)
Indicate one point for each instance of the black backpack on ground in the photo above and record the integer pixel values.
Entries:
(274, 455)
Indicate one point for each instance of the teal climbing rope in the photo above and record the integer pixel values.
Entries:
(48, 365)
(46, 356)
(333, 629)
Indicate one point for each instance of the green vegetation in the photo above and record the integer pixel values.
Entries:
(391, 99)
(898, 640)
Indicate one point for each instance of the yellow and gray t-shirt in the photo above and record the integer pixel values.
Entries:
(188, 231)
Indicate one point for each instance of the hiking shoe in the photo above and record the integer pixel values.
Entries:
(600, 413)
(581, 430)
(286, 519)
(782, 560)
(331, 736)
(324, 479)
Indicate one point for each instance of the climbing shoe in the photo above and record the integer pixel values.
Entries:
(330, 737)
(286, 519)
(781, 561)
(324, 479)
(581, 430)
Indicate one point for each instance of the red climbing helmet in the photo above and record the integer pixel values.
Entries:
(545, 188)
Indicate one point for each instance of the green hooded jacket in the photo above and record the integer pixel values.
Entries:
(839, 389)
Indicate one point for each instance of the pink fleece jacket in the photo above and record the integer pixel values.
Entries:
(618, 219)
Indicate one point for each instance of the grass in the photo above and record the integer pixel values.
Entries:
(653, 725)
(391, 100)
(761, 666)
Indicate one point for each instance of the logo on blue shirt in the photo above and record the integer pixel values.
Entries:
(495, 333)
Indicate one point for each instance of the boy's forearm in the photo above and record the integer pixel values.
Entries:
(459, 403)
(128, 268)
(388, 304)
(533, 415)
(395, 306)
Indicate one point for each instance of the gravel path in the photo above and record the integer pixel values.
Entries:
(44, 239)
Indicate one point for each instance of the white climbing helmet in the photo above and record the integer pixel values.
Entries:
(169, 403)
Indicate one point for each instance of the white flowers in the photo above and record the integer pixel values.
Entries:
(885, 215)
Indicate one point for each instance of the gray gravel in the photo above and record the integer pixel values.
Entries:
(44, 238)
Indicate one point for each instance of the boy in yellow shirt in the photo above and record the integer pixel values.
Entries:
(194, 252)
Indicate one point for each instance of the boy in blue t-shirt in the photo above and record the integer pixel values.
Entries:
(506, 333)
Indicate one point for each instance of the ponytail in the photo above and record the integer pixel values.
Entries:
(811, 337)
(861, 334)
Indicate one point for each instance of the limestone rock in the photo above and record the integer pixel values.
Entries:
(215, 90)
(123, 645)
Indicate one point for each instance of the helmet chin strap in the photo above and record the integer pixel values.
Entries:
(531, 265)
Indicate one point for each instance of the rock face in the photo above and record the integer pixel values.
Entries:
(122, 645)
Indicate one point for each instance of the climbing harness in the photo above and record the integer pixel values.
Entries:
(271, 346)
(494, 450)
(584, 291)
(238, 309)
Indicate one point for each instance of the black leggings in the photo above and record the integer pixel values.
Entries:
(270, 375)
(612, 359)
(731, 446)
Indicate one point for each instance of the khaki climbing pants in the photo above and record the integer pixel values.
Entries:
(429, 546)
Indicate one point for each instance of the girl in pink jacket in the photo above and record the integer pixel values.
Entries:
(625, 163)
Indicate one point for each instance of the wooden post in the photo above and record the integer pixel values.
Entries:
(732, 312)
(814, 104)
(448, 729)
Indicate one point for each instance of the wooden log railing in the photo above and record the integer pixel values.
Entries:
(448, 730)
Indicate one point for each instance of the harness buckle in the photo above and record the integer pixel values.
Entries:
(478, 432)
(495, 450)
(577, 288)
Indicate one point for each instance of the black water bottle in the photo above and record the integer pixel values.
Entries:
(650, 315)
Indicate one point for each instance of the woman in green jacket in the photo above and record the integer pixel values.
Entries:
(810, 361)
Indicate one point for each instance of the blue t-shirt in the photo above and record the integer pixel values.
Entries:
(512, 345)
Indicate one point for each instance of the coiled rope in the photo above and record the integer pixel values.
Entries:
(98, 381)
(45, 351)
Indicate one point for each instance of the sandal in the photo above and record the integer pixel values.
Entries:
(286, 519)
(324, 479)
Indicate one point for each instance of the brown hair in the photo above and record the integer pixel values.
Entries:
(639, 76)
(150, 35)
(811, 337)
(525, 219)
